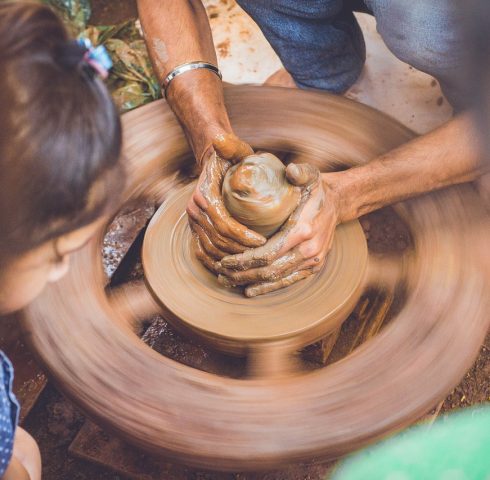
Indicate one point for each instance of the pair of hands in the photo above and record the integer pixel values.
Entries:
(242, 257)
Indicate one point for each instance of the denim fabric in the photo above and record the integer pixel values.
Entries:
(318, 41)
(321, 45)
(427, 34)
(9, 412)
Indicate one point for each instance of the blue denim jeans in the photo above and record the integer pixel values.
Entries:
(321, 44)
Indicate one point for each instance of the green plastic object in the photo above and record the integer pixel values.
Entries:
(456, 447)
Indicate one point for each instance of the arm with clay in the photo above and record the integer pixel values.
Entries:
(447, 156)
(177, 32)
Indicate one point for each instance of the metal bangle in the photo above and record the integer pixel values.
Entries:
(187, 67)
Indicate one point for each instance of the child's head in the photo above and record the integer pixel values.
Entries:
(60, 141)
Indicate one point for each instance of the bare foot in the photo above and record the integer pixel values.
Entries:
(281, 78)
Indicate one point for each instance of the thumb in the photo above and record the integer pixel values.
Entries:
(302, 174)
(229, 147)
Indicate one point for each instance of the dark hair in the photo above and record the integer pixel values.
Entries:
(60, 133)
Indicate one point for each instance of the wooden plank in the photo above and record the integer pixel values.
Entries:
(94, 445)
(365, 321)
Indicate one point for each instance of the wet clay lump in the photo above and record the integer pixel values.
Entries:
(257, 193)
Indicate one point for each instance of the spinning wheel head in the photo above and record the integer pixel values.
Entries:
(299, 314)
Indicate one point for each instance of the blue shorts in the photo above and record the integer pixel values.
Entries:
(9, 412)
(321, 45)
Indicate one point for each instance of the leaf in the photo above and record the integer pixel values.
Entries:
(132, 64)
(131, 80)
(99, 34)
(130, 96)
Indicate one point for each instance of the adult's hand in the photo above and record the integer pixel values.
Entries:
(216, 233)
(300, 247)
(177, 32)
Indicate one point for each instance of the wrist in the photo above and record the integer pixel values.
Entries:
(336, 188)
(204, 155)
(187, 67)
(191, 82)
(198, 102)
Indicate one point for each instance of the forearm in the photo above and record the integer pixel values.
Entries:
(446, 156)
(176, 32)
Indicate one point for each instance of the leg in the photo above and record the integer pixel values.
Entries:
(319, 41)
(426, 34)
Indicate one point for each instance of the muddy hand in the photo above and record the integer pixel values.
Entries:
(217, 233)
(298, 250)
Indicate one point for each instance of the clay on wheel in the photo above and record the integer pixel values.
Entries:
(257, 193)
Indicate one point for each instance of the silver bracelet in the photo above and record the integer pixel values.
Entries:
(187, 67)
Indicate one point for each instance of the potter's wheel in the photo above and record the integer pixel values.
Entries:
(224, 317)
(90, 348)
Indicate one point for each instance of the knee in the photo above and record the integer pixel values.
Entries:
(424, 34)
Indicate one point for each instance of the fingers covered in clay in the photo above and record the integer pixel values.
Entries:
(268, 287)
(207, 210)
(229, 147)
(277, 269)
(228, 227)
(302, 175)
(256, 257)
(306, 256)
(222, 243)
(211, 264)
(211, 249)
